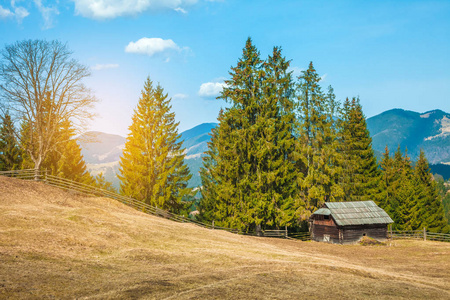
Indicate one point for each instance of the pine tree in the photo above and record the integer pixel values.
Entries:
(361, 179)
(429, 209)
(248, 174)
(152, 166)
(71, 164)
(387, 174)
(10, 153)
(317, 142)
(102, 183)
(400, 201)
(210, 180)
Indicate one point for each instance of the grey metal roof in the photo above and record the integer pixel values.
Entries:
(323, 211)
(357, 213)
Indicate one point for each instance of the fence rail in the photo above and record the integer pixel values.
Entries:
(420, 235)
(42, 176)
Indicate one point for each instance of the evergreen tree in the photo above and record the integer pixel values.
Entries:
(71, 164)
(207, 205)
(429, 209)
(361, 178)
(248, 173)
(152, 166)
(100, 182)
(317, 142)
(10, 153)
(388, 174)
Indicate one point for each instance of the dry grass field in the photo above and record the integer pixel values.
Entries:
(57, 244)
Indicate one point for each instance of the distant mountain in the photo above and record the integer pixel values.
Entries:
(195, 141)
(102, 151)
(98, 147)
(429, 131)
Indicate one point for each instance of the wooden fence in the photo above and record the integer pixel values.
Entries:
(66, 184)
(420, 235)
(70, 185)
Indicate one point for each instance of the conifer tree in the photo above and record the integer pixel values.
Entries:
(152, 166)
(10, 153)
(210, 180)
(317, 142)
(102, 183)
(71, 164)
(429, 211)
(361, 176)
(388, 176)
(248, 170)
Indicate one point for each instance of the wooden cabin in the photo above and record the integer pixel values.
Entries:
(348, 222)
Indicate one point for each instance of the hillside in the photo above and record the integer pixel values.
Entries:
(429, 131)
(57, 244)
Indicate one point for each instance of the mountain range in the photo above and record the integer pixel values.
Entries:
(410, 130)
(413, 131)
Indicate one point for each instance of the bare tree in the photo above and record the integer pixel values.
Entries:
(42, 86)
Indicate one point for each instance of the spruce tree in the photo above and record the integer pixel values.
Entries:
(429, 210)
(248, 174)
(152, 167)
(71, 164)
(210, 180)
(401, 197)
(317, 142)
(10, 153)
(389, 175)
(361, 179)
(102, 183)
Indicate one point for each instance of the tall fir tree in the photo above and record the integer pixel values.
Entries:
(71, 164)
(210, 180)
(248, 171)
(152, 167)
(429, 210)
(361, 178)
(316, 142)
(102, 183)
(10, 153)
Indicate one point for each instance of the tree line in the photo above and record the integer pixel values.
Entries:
(282, 148)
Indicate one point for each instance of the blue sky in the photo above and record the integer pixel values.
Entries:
(392, 54)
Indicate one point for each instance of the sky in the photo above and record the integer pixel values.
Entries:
(392, 54)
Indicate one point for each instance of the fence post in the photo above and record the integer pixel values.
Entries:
(213, 224)
(424, 233)
(285, 230)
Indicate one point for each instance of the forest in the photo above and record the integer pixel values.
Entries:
(283, 147)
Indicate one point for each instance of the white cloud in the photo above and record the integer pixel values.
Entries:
(323, 77)
(5, 13)
(211, 89)
(108, 9)
(20, 13)
(180, 96)
(99, 67)
(47, 13)
(180, 10)
(17, 12)
(296, 71)
(151, 46)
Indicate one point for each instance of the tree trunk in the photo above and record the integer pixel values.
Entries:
(37, 166)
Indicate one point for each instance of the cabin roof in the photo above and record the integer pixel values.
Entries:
(355, 213)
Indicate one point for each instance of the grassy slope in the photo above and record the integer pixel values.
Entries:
(59, 244)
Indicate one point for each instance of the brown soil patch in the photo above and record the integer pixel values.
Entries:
(57, 244)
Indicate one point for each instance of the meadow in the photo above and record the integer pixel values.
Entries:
(60, 244)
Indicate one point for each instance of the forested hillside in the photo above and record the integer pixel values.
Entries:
(283, 146)
(429, 131)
